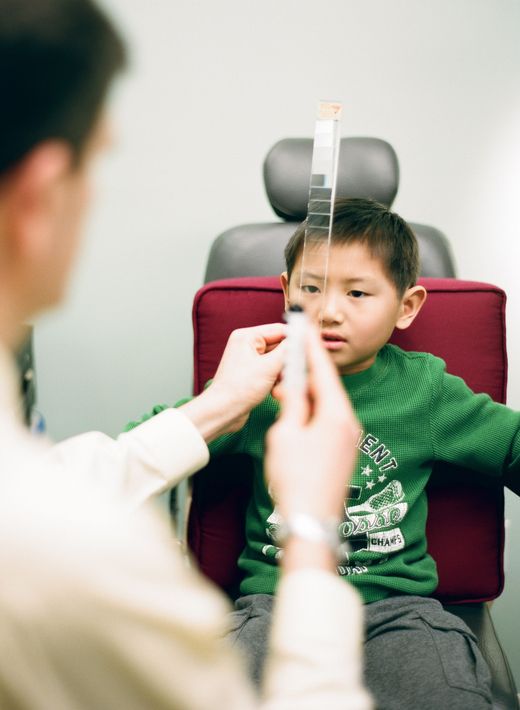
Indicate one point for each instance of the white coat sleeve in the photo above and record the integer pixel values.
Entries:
(316, 653)
(139, 464)
(99, 610)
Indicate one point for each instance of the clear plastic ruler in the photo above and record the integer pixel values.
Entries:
(322, 194)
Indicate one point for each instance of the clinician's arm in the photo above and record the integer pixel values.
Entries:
(104, 613)
(316, 649)
(160, 452)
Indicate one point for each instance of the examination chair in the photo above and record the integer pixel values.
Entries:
(368, 167)
(462, 322)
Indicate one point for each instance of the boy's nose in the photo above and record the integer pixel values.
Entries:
(331, 311)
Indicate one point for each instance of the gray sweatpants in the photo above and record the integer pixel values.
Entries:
(417, 655)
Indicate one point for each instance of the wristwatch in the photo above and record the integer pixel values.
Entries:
(312, 529)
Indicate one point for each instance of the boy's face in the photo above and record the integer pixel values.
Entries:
(360, 307)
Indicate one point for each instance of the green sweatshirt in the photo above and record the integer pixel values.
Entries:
(412, 414)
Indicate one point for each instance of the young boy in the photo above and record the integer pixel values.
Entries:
(412, 413)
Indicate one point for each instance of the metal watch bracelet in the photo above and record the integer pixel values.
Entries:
(307, 527)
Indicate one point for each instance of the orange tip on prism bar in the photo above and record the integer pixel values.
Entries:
(329, 110)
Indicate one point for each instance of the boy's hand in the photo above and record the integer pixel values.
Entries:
(311, 449)
(250, 365)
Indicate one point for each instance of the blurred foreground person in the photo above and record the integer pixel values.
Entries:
(97, 606)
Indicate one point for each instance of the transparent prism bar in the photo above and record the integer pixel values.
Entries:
(320, 209)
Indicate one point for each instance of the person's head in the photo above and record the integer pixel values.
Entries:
(370, 286)
(57, 61)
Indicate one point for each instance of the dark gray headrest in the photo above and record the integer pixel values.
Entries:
(367, 167)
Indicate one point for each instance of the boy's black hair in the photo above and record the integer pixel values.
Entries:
(57, 60)
(386, 235)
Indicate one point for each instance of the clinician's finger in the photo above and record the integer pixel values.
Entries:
(295, 405)
(273, 359)
(279, 345)
(270, 333)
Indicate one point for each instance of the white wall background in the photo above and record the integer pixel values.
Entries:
(212, 86)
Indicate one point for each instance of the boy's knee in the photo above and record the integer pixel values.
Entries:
(249, 629)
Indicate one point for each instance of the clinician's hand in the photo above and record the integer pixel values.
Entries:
(311, 449)
(248, 370)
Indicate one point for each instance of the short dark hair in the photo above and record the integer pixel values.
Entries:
(57, 60)
(387, 236)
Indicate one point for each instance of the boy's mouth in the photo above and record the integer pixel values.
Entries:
(332, 340)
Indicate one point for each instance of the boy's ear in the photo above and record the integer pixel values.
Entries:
(412, 302)
(284, 280)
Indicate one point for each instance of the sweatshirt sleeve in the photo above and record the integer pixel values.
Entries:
(472, 430)
(157, 409)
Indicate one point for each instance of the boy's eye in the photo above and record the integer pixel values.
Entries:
(357, 294)
(308, 288)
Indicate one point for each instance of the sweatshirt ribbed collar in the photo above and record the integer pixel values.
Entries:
(353, 383)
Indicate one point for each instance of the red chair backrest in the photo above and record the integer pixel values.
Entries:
(462, 322)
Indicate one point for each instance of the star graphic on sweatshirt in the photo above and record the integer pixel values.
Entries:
(366, 471)
(381, 478)
(370, 484)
